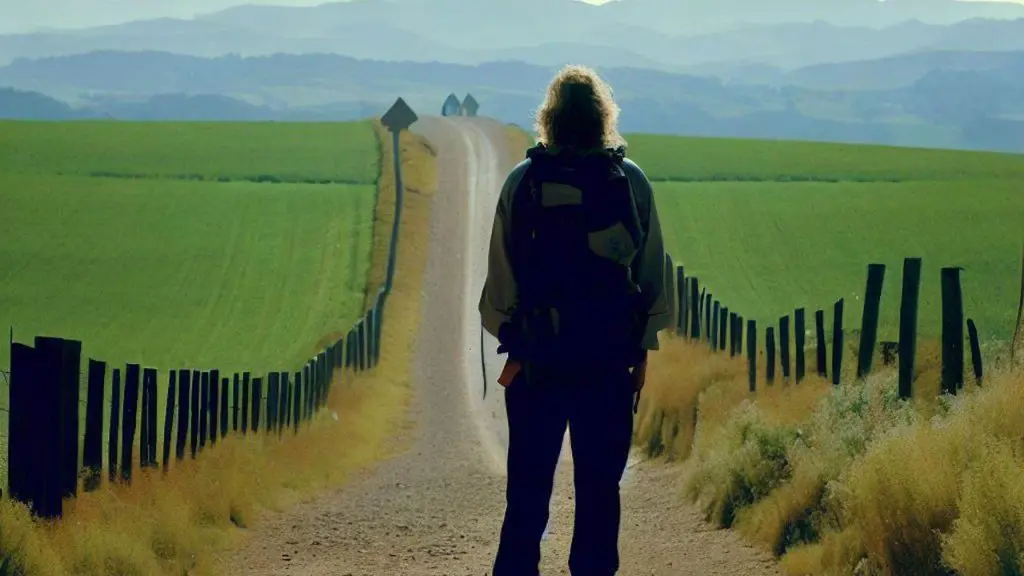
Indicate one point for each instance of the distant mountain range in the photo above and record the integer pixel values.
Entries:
(943, 99)
(724, 37)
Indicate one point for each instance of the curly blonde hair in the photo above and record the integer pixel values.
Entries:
(578, 111)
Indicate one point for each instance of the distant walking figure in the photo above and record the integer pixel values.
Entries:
(575, 295)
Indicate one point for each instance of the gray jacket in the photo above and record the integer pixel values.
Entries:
(499, 296)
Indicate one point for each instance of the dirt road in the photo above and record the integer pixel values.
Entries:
(436, 509)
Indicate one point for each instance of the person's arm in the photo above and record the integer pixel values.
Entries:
(500, 293)
(649, 265)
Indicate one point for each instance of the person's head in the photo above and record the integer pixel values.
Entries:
(578, 111)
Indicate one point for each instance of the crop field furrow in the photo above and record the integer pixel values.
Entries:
(222, 294)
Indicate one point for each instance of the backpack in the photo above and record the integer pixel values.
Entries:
(575, 231)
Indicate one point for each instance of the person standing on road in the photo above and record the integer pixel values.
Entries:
(575, 295)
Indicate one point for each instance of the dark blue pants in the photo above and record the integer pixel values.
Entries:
(597, 407)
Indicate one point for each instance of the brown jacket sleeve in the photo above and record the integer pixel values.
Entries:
(498, 300)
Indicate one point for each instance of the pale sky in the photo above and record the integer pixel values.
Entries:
(28, 15)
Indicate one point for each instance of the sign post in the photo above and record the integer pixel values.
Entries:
(470, 106)
(397, 118)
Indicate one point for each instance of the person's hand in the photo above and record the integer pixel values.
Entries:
(509, 372)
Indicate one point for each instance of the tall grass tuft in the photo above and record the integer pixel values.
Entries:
(848, 479)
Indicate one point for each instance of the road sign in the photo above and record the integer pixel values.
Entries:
(451, 106)
(470, 105)
(399, 116)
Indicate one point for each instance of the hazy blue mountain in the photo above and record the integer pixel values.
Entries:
(26, 105)
(664, 34)
(695, 16)
(978, 108)
(901, 71)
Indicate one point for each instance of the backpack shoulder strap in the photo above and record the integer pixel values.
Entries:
(618, 157)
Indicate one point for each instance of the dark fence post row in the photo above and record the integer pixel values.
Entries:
(698, 316)
(44, 396)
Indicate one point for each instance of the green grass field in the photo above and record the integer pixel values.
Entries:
(300, 152)
(772, 226)
(190, 262)
(671, 158)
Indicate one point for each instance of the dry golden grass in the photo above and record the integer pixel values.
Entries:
(177, 524)
(683, 375)
(850, 479)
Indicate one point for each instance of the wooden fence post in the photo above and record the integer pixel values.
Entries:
(820, 344)
(325, 379)
(707, 317)
(184, 394)
(169, 418)
(681, 294)
(723, 327)
(286, 404)
(972, 334)
(194, 410)
(800, 334)
(869, 321)
(45, 455)
(1015, 343)
(235, 401)
(224, 407)
(752, 354)
(739, 335)
(245, 402)
(307, 380)
(314, 376)
(694, 309)
(784, 346)
(114, 431)
(733, 317)
(314, 383)
(257, 403)
(371, 337)
(952, 331)
(144, 425)
(297, 402)
(670, 285)
(364, 346)
(149, 381)
(273, 385)
(837, 342)
(204, 407)
(350, 350)
(908, 325)
(713, 327)
(24, 441)
(92, 449)
(129, 419)
(769, 342)
(214, 404)
(64, 357)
